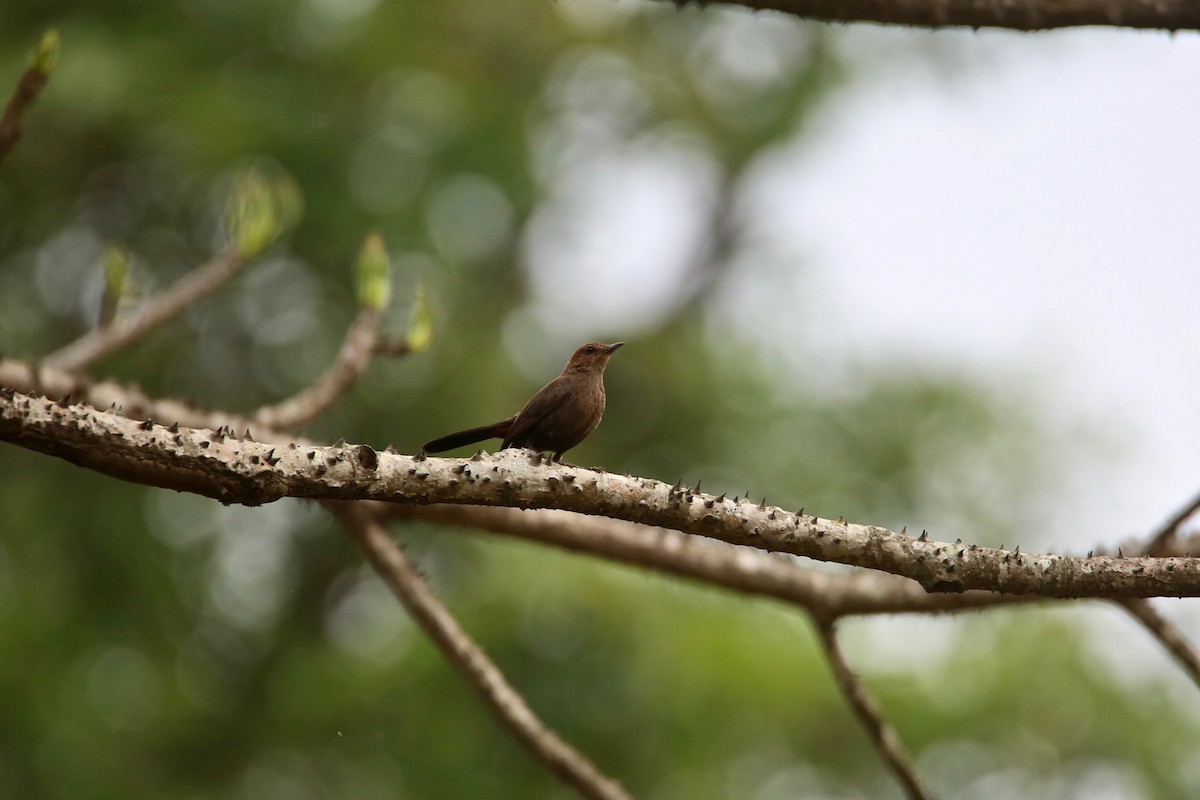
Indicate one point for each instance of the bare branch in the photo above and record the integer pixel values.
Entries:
(1161, 540)
(236, 471)
(351, 362)
(742, 569)
(190, 288)
(29, 86)
(1167, 634)
(1025, 16)
(466, 656)
(882, 735)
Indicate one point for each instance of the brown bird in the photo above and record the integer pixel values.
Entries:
(558, 417)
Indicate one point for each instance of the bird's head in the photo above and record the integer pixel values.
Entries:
(592, 357)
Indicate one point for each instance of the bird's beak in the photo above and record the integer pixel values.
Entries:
(613, 347)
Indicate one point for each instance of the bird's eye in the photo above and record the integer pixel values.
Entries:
(589, 349)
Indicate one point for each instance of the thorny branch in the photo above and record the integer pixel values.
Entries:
(251, 473)
(742, 569)
(1171, 15)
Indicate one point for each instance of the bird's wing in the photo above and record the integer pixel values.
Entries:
(548, 398)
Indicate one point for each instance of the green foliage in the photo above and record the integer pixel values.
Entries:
(159, 645)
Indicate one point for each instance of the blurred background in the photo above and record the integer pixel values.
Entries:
(942, 280)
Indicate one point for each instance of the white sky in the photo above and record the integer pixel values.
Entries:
(1039, 217)
(1042, 211)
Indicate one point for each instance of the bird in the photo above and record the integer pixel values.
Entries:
(558, 417)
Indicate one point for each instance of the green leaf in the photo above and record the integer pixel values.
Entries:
(420, 323)
(117, 265)
(45, 56)
(373, 274)
(265, 203)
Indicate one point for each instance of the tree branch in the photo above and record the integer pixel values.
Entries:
(55, 384)
(1162, 629)
(1167, 634)
(188, 289)
(883, 736)
(741, 569)
(1161, 540)
(29, 86)
(237, 471)
(313, 401)
(1033, 15)
(458, 648)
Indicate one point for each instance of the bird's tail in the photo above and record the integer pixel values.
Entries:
(497, 430)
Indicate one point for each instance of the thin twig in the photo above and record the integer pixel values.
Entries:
(351, 362)
(190, 288)
(1161, 543)
(458, 648)
(1161, 540)
(1167, 634)
(882, 735)
(29, 86)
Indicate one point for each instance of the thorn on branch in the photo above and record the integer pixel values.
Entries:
(367, 457)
